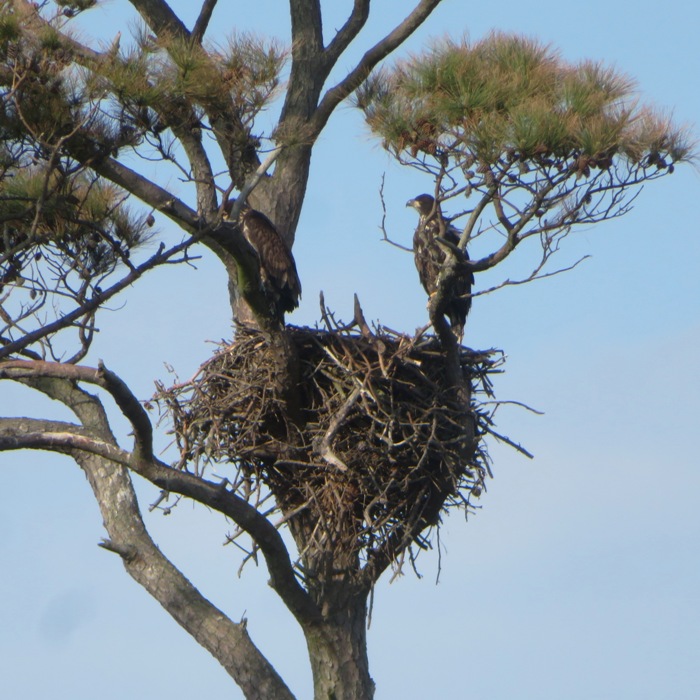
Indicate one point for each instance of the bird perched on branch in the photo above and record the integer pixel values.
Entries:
(430, 257)
(278, 271)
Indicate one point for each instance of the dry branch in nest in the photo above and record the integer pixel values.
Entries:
(383, 445)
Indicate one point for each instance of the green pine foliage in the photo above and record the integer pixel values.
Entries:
(68, 220)
(534, 144)
(511, 96)
(66, 107)
(167, 83)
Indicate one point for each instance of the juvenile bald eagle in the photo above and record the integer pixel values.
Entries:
(430, 257)
(278, 272)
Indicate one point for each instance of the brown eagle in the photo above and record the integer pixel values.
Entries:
(278, 271)
(430, 257)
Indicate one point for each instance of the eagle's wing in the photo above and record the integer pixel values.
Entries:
(461, 301)
(277, 267)
(428, 255)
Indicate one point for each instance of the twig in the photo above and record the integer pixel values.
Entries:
(324, 446)
(253, 183)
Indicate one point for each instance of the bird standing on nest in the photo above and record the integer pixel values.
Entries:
(430, 257)
(278, 271)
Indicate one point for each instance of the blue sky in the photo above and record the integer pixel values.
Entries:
(579, 578)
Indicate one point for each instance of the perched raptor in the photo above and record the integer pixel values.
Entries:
(430, 258)
(278, 272)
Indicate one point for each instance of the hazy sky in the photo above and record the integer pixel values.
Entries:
(580, 577)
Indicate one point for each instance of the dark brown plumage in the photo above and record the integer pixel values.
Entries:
(430, 257)
(278, 271)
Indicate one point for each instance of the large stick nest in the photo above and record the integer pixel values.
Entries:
(381, 442)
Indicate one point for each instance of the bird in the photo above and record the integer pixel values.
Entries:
(430, 257)
(278, 271)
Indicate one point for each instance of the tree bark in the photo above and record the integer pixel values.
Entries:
(226, 640)
(338, 653)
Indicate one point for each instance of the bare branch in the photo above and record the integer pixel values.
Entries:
(351, 28)
(335, 95)
(129, 405)
(160, 18)
(515, 445)
(91, 304)
(228, 642)
(324, 448)
(132, 410)
(213, 495)
(536, 274)
(475, 215)
(65, 442)
(252, 183)
(200, 26)
(202, 171)
(14, 432)
(146, 190)
(263, 532)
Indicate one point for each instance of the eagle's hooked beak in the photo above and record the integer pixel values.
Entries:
(411, 203)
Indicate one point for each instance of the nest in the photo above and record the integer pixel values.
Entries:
(380, 445)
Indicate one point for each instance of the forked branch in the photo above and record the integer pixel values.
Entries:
(367, 63)
(63, 438)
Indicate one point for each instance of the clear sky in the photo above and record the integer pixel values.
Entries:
(580, 577)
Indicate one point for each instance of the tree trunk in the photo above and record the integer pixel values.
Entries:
(338, 653)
